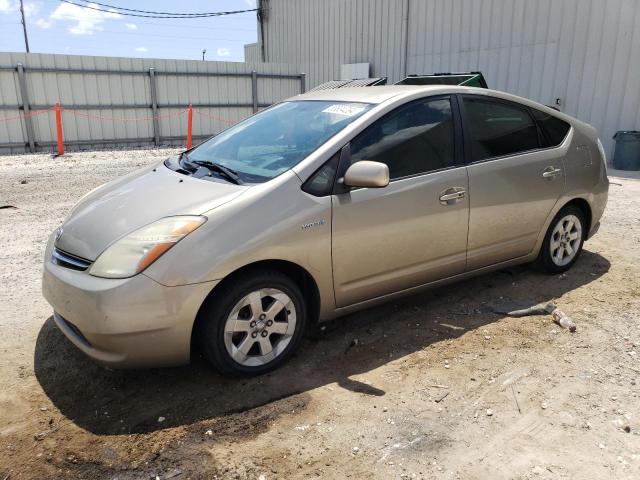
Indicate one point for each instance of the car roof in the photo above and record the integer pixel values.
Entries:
(381, 94)
(369, 94)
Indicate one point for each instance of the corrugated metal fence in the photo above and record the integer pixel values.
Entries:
(111, 102)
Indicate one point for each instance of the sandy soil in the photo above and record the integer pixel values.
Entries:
(437, 386)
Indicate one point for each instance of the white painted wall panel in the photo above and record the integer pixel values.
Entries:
(585, 52)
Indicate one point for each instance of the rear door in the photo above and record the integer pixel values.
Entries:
(515, 180)
(414, 230)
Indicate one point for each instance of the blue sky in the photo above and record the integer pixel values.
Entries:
(56, 27)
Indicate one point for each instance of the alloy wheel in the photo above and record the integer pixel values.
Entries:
(565, 240)
(259, 327)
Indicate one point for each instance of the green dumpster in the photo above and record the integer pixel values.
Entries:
(626, 155)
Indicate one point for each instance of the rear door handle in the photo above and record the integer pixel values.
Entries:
(551, 172)
(452, 195)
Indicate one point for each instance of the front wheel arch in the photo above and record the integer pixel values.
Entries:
(295, 272)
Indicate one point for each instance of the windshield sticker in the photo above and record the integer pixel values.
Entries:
(344, 109)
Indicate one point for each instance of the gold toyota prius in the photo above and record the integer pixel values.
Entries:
(323, 204)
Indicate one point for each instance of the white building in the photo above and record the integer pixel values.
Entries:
(582, 56)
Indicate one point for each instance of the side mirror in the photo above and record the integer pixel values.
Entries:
(367, 174)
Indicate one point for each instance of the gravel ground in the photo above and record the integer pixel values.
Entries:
(436, 386)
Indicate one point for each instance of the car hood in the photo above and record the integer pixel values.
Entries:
(128, 203)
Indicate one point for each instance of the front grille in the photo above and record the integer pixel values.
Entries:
(67, 260)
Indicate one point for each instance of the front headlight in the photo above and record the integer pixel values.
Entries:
(133, 253)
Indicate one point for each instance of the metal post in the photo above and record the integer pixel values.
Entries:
(59, 134)
(26, 109)
(303, 82)
(24, 27)
(154, 106)
(189, 127)
(254, 90)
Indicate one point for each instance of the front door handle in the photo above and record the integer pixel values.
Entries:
(551, 172)
(451, 195)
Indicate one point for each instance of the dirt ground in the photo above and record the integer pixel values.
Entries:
(436, 386)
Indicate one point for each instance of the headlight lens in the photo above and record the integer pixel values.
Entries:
(133, 253)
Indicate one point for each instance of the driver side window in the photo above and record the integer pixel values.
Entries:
(413, 139)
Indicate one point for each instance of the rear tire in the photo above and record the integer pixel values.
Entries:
(563, 241)
(253, 324)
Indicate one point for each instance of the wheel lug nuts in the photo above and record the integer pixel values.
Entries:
(254, 334)
(265, 333)
(252, 324)
(269, 323)
(262, 316)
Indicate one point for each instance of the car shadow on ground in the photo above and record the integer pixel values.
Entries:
(132, 401)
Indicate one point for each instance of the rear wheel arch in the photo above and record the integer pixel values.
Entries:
(585, 207)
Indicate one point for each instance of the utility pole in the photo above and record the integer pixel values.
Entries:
(24, 27)
(203, 52)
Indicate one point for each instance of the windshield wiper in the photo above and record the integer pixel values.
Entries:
(213, 166)
(226, 171)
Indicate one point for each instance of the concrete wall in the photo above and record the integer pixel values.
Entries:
(111, 98)
(584, 52)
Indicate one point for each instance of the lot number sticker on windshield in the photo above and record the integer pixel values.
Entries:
(344, 109)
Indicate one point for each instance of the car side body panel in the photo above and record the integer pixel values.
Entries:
(266, 223)
(392, 238)
(510, 201)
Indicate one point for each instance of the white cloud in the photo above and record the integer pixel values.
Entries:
(250, 3)
(10, 6)
(223, 52)
(87, 21)
(43, 23)
(7, 7)
(131, 26)
(31, 8)
(142, 49)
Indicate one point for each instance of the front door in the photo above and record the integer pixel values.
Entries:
(413, 231)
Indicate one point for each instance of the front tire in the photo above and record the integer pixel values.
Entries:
(253, 324)
(563, 242)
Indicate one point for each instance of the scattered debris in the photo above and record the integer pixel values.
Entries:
(489, 412)
(442, 397)
(563, 320)
(539, 309)
(7, 206)
(559, 316)
(161, 419)
(515, 398)
(354, 343)
(23, 182)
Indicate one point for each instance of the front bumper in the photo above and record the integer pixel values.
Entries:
(123, 323)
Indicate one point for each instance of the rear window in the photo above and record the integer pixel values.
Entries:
(553, 129)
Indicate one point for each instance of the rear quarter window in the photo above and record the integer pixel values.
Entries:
(553, 129)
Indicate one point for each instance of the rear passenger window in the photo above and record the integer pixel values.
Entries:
(553, 129)
(415, 138)
(498, 128)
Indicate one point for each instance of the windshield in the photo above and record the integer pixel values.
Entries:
(271, 142)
